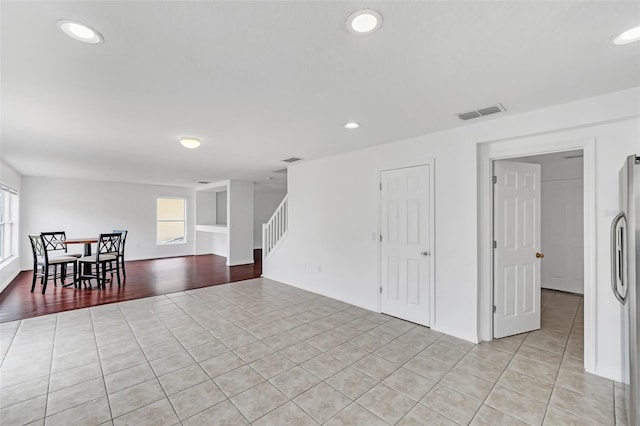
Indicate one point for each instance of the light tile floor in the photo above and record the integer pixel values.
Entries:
(263, 353)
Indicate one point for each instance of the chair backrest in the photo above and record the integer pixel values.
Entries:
(122, 232)
(52, 241)
(38, 249)
(109, 243)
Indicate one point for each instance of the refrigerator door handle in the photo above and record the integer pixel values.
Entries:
(617, 257)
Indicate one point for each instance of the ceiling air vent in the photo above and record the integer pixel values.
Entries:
(481, 112)
(291, 159)
(203, 182)
(468, 115)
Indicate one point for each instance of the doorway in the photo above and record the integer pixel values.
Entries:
(539, 237)
(562, 220)
(525, 147)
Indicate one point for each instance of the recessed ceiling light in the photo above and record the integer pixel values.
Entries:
(79, 31)
(628, 36)
(364, 21)
(352, 125)
(191, 143)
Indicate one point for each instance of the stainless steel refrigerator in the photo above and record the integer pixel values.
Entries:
(625, 271)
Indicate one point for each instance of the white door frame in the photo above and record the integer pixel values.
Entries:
(535, 145)
(432, 232)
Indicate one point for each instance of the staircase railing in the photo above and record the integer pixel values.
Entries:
(276, 228)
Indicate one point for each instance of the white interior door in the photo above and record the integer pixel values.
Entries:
(517, 233)
(405, 246)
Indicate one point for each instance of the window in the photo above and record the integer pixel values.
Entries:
(8, 222)
(171, 225)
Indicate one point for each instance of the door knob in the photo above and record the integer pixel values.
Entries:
(425, 253)
(539, 255)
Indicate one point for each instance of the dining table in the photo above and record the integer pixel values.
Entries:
(87, 249)
(86, 241)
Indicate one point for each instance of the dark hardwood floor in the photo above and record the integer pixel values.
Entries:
(144, 278)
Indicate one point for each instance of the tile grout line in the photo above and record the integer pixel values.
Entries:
(481, 402)
(300, 366)
(399, 367)
(80, 383)
(104, 383)
(557, 372)
(300, 363)
(546, 408)
(516, 353)
(46, 403)
(435, 382)
(211, 379)
(494, 384)
(235, 323)
(559, 386)
(513, 390)
(4, 356)
(209, 308)
(124, 315)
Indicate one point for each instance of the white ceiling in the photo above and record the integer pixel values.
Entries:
(262, 81)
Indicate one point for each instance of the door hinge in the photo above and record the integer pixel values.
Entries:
(380, 186)
(495, 179)
(380, 289)
(495, 244)
(494, 309)
(380, 237)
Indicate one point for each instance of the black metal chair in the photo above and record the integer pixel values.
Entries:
(99, 263)
(42, 263)
(55, 246)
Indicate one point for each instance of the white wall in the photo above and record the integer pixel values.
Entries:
(206, 208)
(221, 208)
(332, 242)
(9, 176)
(219, 244)
(562, 221)
(87, 208)
(205, 215)
(240, 222)
(230, 199)
(337, 254)
(264, 205)
(10, 268)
